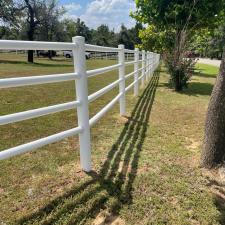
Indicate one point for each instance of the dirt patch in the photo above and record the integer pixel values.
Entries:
(122, 120)
(104, 218)
(192, 144)
(148, 169)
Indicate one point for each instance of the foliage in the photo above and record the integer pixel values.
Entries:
(154, 39)
(103, 36)
(180, 73)
(178, 14)
(50, 28)
(209, 43)
(10, 12)
(171, 24)
(129, 37)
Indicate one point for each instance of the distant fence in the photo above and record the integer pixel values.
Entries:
(149, 62)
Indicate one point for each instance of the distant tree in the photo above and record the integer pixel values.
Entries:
(10, 12)
(7, 32)
(129, 37)
(50, 26)
(77, 28)
(69, 28)
(33, 9)
(134, 32)
(125, 37)
(82, 30)
(103, 36)
(200, 41)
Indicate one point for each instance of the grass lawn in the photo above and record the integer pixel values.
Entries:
(145, 165)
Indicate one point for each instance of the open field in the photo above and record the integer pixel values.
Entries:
(145, 165)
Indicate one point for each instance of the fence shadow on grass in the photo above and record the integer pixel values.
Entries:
(111, 187)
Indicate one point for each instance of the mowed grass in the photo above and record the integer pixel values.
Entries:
(145, 165)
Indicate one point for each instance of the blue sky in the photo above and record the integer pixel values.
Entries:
(97, 12)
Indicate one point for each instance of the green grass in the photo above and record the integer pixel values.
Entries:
(145, 165)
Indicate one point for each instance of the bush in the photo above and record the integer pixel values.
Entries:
(180, 70)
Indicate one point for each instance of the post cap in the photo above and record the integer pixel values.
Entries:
(121, 46)
(78, 39)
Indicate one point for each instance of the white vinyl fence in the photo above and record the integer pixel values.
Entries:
(148, 60)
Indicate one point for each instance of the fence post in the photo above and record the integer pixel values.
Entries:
(153, 62)
(121, 57)
(82, 96)
(146, 70)
(143, 70)
(147, 67)
(136, 59)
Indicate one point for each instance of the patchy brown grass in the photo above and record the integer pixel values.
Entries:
(145, 165)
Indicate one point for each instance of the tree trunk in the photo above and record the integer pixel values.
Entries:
(178, 84)
(30, 56)
(50, 54)
(213, 152)
(31, 28)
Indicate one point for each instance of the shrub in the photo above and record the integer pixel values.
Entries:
(180, 70)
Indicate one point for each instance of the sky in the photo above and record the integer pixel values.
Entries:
(97, 12)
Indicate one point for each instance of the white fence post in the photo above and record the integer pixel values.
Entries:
(143, 68)
(146, 71)
(121, 57)
(151, 63)
(136, 59)
(82, 96)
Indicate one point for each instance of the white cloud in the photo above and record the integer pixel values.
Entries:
(110, 12)
(71, 10)
(72, 7)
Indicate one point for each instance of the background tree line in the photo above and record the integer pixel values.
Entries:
(44, 20)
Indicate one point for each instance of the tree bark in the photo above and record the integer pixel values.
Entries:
(178, 84)
(31, 28)
(213, 152)
(30, 56)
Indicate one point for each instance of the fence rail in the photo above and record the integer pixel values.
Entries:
(149, 62)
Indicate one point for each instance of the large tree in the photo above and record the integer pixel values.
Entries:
(213, 152)
(50, 27)
(32, 18)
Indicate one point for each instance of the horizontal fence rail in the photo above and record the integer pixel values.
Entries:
(34, 80)
(145, 63)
